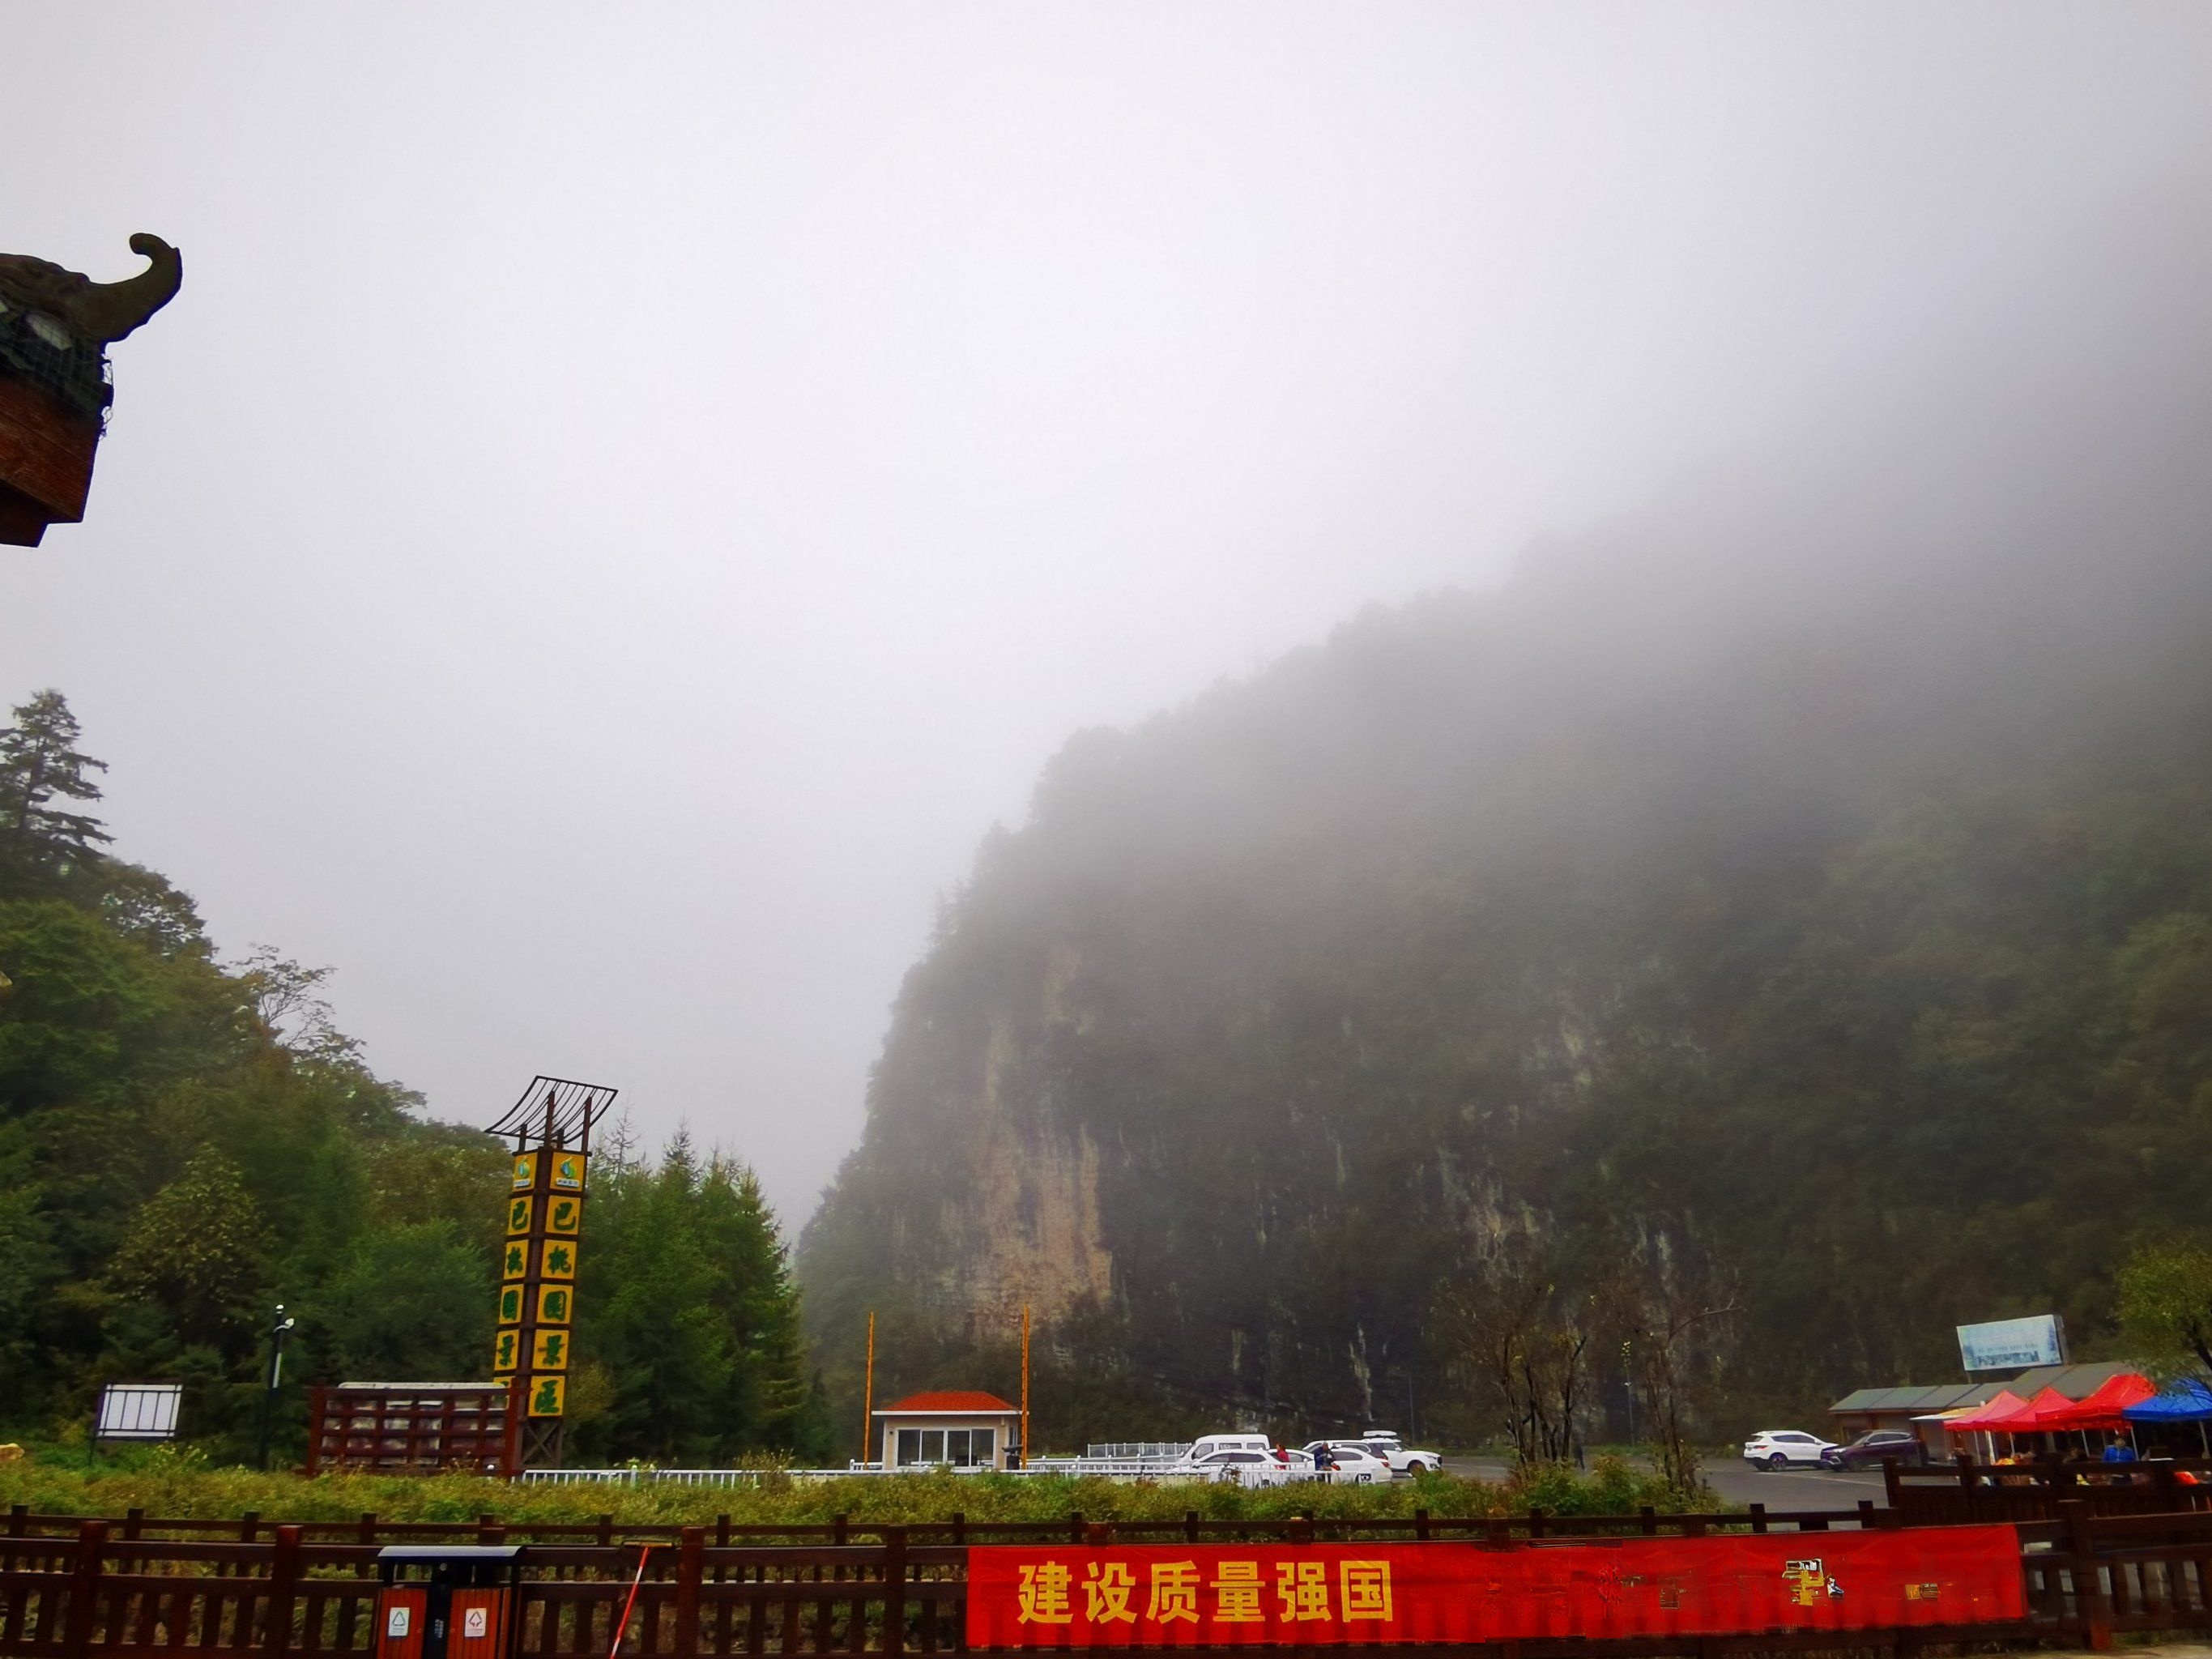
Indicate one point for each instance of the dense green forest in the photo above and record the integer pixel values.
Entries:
(185, 1142)
(1771, 929)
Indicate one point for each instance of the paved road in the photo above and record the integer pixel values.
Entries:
(1735, 1482)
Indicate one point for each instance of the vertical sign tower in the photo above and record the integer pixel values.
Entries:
(551, 1125)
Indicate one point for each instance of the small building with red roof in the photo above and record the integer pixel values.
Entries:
(956, 1428)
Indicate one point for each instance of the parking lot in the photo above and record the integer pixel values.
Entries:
(1735, 1482)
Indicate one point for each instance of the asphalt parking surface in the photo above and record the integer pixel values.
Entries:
(1735, 1482)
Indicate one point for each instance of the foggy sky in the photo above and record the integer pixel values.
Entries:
(627, 496)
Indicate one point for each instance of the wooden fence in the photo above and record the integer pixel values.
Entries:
(85, 1591)
(957, 1530)
(1965, 1491)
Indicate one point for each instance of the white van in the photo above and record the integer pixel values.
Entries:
(1206, 1444)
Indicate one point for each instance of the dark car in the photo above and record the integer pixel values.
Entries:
(1871, 1450)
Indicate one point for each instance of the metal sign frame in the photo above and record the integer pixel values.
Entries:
(139, 1411)
(551, 1124)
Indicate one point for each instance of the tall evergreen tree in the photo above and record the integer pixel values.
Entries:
(39, 765)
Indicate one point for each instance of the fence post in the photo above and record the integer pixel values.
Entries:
(1965, 1463)
(1759, 1517)
(2090, 1601)
(134, 1520)
(1075, 1526)
(17, 1515)
(1190, 1526)
(895, 1587)
(1420, 1524)
(283, 1591)
(1648, 1518)
(1536, 1522)
(840, 1528)
(959, 1528)
(368, 1526)
(1891, 1481)
(690, 1567)
(84, 1587)
(1866, 1515)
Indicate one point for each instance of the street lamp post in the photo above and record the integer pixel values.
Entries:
(277, 1330)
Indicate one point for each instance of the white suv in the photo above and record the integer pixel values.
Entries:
(1351, 1463)
(1778, 1449)
(1386, 1445)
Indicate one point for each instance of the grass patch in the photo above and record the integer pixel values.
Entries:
(180, 1485)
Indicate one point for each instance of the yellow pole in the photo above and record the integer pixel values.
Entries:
(1025, 1385)
(868, 1394)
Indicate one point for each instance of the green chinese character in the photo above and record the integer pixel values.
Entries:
(505, 1360)
(556, 1260)
(514, 1261)
(518, 1215)
(564, 1216)
(553, 1346)
(557, 1307)
(548, 1398)
(510, 1304)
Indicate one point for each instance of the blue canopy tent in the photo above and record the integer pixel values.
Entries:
(2186, 1401)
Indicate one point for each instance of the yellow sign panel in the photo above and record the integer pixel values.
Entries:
(506, 1350)
(556, 1259)
(510, 1304)
(567, 1172)
(554, 1302)
(549, 1351)
(518, 1215)
(547, 1395)
(514, 1261)
(562, 1215)
(525, 1171)
(502, 1381)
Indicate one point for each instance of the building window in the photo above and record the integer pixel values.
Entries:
(909, 1447)
(955, 1448)
(983, 1446)
(933, 1446)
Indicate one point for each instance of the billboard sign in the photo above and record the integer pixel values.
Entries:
(138, 1410)
(2012, 1345)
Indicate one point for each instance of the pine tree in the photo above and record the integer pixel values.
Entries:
(40, 764)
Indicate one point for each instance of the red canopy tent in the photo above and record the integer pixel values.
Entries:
(2043, 1412)
(1993, 1415)
(2102, 1409)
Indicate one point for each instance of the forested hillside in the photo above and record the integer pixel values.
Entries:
(185, 1142)
(1786, 909)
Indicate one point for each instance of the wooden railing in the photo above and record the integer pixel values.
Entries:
(1964, 1491)
(957, 1530)
(83, 1590)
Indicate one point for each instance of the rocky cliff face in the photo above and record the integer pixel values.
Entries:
(1683, 895)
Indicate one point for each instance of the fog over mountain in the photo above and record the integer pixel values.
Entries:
(626, 498)
(1798, 887)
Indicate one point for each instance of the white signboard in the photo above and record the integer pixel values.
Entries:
(2011, 1344)
(139, 1410)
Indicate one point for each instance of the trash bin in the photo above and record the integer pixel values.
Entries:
(445, 1601)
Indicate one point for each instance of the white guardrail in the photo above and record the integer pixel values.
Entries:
(1120, 1468)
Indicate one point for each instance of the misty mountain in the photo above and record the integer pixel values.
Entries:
(1805, 882)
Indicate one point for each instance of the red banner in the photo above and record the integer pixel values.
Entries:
(1230, 1596)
